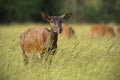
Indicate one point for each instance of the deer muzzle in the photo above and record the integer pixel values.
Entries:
(60, 30)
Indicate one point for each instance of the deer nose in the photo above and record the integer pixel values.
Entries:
(60, 30)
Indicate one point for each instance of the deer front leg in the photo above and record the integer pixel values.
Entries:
(26, 61)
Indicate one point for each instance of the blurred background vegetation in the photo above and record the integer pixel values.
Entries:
(92, 11)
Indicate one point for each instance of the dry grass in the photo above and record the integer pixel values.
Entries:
(81, 58)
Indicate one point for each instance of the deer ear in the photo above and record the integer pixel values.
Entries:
(45, 15)
(66, 16)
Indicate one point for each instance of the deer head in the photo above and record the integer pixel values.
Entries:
(56, 21)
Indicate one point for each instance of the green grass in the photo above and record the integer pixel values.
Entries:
(82, 58)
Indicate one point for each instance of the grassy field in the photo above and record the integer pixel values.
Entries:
(82, 58)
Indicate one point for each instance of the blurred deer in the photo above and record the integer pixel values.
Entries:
(117, 31)
(101, 30)
(41, 39)
(68, 32)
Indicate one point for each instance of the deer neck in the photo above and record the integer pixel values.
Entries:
(52, 40)
(53, 35)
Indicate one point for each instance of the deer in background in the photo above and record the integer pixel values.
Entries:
(101, 30)
(117, 31)
(40, 39)
(68, 32)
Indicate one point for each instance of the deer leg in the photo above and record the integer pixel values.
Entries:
(25, 57)
(26, 60)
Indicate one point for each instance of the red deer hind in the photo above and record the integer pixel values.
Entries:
(117, 31)
(68, 32)
(42, 38)
(101, 30)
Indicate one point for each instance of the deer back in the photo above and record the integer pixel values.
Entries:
(68, 32)
(101, 30)
(37, 38)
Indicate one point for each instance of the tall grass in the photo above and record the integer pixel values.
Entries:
(82, 58)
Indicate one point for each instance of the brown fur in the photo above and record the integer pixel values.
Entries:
(42, 39)
(37, 38)
(117, 30)
(101, 30)
(68, 32)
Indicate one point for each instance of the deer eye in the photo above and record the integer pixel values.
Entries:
(51, 21)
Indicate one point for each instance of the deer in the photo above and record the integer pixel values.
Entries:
(41, 39)
(101, 30)
(68, 32)
(117, 31)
